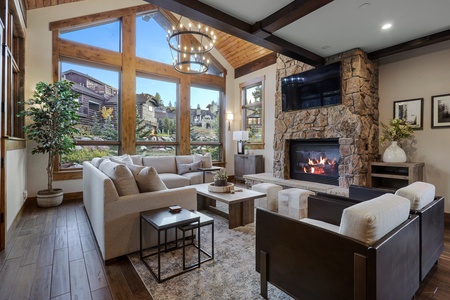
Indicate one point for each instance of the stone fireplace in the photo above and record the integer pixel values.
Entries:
(353, 124)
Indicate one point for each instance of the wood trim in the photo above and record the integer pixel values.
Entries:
(412, 44)
(286, 15)
(55, 55)
(89, 53)
(99, 17)
(219, 20)
(128, 84)
(255, 65)
(67, 175)
(184, 136)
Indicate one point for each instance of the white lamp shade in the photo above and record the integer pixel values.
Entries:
(240, 135)
(230, 116)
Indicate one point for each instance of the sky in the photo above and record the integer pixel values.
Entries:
(150, 43)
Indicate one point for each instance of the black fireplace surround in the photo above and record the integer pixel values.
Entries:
(315, 160)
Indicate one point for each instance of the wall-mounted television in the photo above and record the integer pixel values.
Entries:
(313, 88)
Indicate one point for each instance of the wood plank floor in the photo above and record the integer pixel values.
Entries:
(52, 254)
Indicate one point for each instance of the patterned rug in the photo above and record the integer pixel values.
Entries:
(231, 275)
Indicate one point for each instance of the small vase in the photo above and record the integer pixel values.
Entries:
(394, 153)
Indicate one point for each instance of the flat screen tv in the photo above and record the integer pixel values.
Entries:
(313, 88)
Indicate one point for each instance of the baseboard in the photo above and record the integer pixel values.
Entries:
(67, 196)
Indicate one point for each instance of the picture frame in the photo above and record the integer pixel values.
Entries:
(440, 111)
(411, 111)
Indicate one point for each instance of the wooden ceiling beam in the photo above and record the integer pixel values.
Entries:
(219, 20)
(288, 14)
(410, 45)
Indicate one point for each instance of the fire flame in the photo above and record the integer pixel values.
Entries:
(322, 165)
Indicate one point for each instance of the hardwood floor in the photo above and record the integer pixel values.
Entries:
(52, 254)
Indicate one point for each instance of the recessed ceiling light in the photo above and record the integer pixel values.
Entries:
(386, 26)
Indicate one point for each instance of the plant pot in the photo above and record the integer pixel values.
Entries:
(46, 199)
(220, 182)
(394, 153)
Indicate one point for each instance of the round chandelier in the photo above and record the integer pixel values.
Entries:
(188, 46)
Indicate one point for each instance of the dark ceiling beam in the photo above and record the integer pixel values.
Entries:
(410, 45)
(288, 14)
(219, 20)
(255, 65)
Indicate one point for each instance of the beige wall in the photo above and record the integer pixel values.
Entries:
(39, 68)
(421, 73)
(269, 113)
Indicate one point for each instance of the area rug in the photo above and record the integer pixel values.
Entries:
(231, 275)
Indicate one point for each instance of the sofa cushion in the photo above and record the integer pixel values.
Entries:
(418, 193)
(147, 178)
(186, 168)
(195, 177)
(96, 161)
(121, 176)
(184, 159)
(137, 159)
(205, 159)
(174, 180)
(370, 220)
(162, 164)
(123, 160)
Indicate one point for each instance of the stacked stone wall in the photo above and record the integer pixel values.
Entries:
(354, 122)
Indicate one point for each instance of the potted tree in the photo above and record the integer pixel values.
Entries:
(53, 114)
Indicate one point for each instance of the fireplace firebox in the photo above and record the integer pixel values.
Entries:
(315, 160)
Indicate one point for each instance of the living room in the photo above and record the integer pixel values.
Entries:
(413, 74)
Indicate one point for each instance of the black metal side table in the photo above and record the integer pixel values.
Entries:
(204, 170)
(204, 221)
(162, 220)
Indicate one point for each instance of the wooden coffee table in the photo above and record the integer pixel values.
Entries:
(240, 204)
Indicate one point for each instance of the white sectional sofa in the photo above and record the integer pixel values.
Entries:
(113, 202)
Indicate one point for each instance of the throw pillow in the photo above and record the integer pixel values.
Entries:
(205, 159)
(121, 176)
(123, 160)
(147, 179)
(96, 161)
(186, 168)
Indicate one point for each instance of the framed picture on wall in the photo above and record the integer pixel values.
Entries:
(411, 111)
(440, 111)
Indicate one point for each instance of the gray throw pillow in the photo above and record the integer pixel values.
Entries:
(186, 168)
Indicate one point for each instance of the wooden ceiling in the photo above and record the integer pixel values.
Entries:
(236, 51)
(32, 4)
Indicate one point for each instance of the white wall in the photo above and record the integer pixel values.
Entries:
(39, 68)
(15, 183)
(421, 73)
(270, 84)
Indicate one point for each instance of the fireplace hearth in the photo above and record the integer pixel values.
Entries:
(315, 160)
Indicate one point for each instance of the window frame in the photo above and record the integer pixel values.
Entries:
(242, 89)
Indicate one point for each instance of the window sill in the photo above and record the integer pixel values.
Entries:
(67, 175)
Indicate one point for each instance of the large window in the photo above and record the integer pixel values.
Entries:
(205, 121)
(156, 116)
(99, 99)
(252, 96)
(132, 100)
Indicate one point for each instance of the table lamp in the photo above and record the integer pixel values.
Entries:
(241, 137)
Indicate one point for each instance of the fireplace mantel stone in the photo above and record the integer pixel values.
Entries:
(354, 122)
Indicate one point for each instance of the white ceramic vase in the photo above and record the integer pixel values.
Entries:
(394, 153)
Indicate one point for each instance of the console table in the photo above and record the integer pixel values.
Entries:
(247, 164)
(392, 176)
